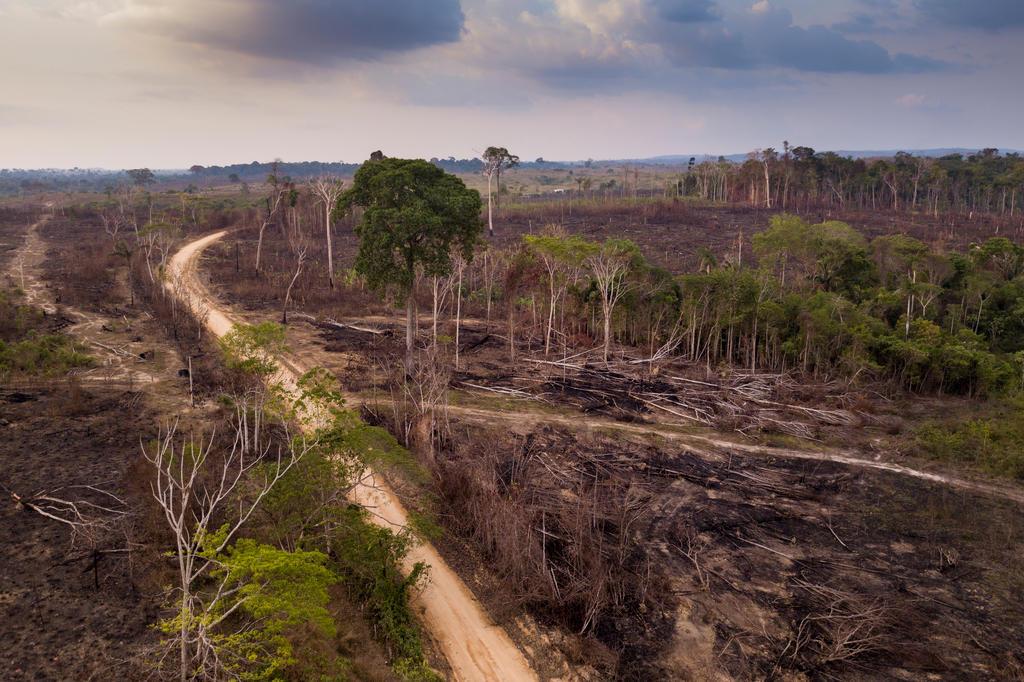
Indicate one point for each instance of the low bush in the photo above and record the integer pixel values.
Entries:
(994, 443)
(49, 355)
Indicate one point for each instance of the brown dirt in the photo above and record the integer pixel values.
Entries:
(472, 644)
(66, 616)
(56, 623)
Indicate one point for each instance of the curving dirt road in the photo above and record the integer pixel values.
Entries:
(475, 647)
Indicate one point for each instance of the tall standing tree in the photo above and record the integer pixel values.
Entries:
(610, 267)
(328, 189)
(496, 159)
(415, 216)
(563, 257)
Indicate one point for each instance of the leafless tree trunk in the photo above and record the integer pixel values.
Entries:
(490, 203)
(328, 189)
(460, 268)
(196, 495)
(410, 330)
(440, 288)
(609, 270)
(271, 212)
(300, 260)
(299, 246)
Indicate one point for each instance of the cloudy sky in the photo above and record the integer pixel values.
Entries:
(169, 83)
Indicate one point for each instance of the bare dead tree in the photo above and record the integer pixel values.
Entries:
(440, 289)
(840, 627)
(420, 401)
(68, 505)
(609, 267)
(299, 246)
(112, 223)
(200, 492)
(459, 268)
(268, 218)
(328, 189)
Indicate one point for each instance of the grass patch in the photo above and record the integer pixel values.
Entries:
(49, 355)
(24, 347)
(993, 443)
(17, 320)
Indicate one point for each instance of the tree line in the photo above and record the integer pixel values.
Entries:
(818, 299)
(814, 298)
(801, 178)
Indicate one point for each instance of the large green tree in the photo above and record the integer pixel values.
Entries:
(415, 215)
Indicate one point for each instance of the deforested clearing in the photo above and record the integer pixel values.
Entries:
(561, 341)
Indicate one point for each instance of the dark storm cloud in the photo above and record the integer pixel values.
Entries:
(770, 39)
(991, 15)
(821, 49)
(311, 31)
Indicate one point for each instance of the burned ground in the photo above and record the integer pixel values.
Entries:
(82, 609)
(70, 614)
(743, 567)
(734, 566)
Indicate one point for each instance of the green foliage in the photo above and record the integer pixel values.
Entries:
(414, 216)
(308, 509)
(425, 525)
(310, 499)
(49, 355)
(369, 557)
(250, 349)
(17, 319)
(831, 255)
(567, 250)
(827, 302)
(284, 596)
(993, 443)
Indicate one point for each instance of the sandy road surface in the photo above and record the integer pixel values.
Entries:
(474, 646)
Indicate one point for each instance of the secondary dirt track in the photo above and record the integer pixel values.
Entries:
(475, 647)
(68, 613)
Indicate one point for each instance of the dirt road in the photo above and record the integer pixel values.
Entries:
(475, 647)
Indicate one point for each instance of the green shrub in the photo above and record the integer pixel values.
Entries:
(369, 558)
(307, 509)
(993, 444)
(49, 355)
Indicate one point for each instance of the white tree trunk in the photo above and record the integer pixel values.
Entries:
(490, 205)
(330, 251)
